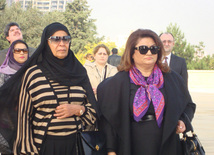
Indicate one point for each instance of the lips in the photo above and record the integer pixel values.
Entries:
(17, 34)
(149, 58)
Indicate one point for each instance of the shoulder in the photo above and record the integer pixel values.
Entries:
(110, 56)
(177, 57)
(33, 76)
(1, 79)
(1, 75)
(118, 56)
(111, 66)
(173, 77)
(33, 70)
(117, 79)
(4, 50)
(89, 65)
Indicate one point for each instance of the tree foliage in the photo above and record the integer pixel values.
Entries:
(90, 47)
(181, 48)
(83, 31)
(29, 20)
(193, 54)
(2, 4)
(32, 22)
(82, 28)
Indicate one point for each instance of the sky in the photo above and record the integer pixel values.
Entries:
(116, 19)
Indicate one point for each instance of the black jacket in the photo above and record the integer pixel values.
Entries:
(179, 65)
(114, 98)
(114, 60)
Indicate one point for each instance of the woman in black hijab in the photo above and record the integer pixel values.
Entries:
(55, 97)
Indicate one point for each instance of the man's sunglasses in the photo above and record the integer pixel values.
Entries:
(144, 49)
(58, 39)
(19, 50)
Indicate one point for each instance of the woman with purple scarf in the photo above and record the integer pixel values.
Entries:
(144, 106)
(15, 58)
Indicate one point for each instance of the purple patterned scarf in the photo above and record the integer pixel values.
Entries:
(148, 91)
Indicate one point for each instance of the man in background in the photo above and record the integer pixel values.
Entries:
(176, 63)
(12, 32)
(114, 59)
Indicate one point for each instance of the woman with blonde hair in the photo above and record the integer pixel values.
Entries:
(99, 70)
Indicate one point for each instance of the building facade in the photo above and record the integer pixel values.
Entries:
(43, 5)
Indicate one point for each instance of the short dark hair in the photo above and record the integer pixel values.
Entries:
(7, 28)
(114, 50)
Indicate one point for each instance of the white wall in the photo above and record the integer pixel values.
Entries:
(201, 81)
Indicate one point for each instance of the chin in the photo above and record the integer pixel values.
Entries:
(62, 56)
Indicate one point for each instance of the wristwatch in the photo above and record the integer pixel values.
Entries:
(81, 112)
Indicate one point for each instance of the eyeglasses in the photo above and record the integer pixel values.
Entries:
(18, 50)
(144, 49)
(169, 41)
(58, 39)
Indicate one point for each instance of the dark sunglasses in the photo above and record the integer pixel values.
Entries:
(57, 39)
(18, 50)
(144, 49)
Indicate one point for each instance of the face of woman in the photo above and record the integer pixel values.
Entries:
(101, 56)
(147, 59)
(59, 46)
(19, 53)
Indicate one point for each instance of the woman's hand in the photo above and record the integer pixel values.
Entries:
(180, 127)
(67, 110)
(112, 153)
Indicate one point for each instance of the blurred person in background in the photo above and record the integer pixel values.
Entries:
(12, 32)
(100, 69)
(114, 59)
(17, 54)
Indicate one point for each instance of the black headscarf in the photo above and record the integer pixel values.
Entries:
(68, 71)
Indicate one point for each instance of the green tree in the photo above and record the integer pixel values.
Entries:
(32, 22)
(2, 4)
(205, 63)
(80, 25)
(90, 47)
(181, 48)
(29, 20)
(199, 50)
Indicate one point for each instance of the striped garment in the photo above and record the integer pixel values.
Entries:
(38, 100)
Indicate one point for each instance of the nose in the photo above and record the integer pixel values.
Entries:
(61, 42)
(167, 43)
(22, 52)
(149, 52)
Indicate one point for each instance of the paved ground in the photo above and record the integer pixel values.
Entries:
(203, 121)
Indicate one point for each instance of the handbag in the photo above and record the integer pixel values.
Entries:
(91, 143)
(190, 143)
(4, 146)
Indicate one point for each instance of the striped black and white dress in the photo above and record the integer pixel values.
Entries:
(38, 100)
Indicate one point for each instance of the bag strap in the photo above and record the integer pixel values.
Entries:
(105, 72)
